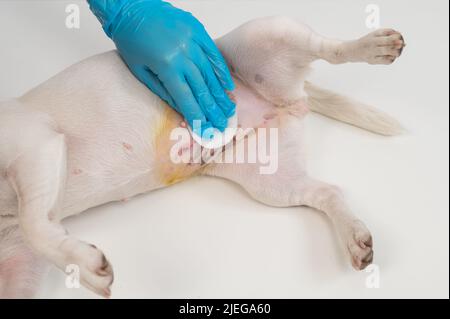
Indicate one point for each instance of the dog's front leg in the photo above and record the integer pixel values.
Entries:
(38, 177)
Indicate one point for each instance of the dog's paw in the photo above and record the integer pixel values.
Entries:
(359, 244)
(96, 272)
(383, 46)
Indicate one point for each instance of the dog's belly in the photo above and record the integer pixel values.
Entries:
(131, 157)
(118, 132)
(110, 124)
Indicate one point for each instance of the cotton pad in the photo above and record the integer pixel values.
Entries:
(220, 138)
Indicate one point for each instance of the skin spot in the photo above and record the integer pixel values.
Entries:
(183, 124)
(259, 79)
(10, 174)
(186, 148)
(127, 147)
(231, 96)
(338, 53)
(51, 215)
(270, 116)
(77, 171)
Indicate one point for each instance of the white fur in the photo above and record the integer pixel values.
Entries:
(350, 111)
(91, 135)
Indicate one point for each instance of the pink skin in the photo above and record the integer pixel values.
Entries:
(253, 111)
(77, 171)
(127, 147)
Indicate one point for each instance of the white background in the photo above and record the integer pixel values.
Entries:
(206, 238)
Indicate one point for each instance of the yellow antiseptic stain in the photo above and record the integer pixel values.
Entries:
(169, 172)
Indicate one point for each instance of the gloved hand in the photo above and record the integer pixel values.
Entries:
(170, 51)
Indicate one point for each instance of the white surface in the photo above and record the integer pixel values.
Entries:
(206, 237)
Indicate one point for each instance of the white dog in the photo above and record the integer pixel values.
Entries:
(94, 134)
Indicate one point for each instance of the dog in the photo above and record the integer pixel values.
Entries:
(94, 134)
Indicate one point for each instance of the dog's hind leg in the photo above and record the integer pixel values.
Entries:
(352, 232)
(290, 186)
(274, 40)
(382, 46)
(37, 174)
(272, 55)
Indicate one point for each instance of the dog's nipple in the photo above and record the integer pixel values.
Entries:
(259, 78)
(127, 147)
(77, 171)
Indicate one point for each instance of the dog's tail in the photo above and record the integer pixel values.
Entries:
(352, 112)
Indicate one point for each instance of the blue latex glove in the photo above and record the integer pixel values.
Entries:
(170, 51)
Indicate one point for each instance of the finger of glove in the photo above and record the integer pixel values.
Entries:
(220, 96)
(151, 80)
(213, 112)
(182, 94)
(216, 58)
